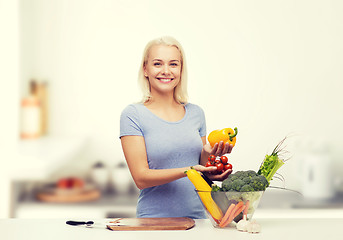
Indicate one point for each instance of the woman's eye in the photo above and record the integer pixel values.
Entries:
(174, 64)
(157, 64)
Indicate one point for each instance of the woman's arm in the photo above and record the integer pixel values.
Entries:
(144, 177)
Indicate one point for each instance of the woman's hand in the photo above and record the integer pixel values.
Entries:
(208, 171)
(218, 149)
(219, 177)
(204, 169)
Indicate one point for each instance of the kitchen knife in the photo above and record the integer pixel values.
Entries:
(93, 224)
(76, 223)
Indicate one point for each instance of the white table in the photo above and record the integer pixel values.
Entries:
(272, 228)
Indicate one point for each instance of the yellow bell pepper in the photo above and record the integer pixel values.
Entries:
(204, 192)
(227, 135)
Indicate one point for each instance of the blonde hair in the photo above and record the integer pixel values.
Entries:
(180, 93)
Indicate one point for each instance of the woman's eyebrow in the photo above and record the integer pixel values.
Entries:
(160, 60)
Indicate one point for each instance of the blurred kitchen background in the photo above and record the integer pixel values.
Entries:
(68, 68)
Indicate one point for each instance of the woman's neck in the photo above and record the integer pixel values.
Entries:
(164, 101)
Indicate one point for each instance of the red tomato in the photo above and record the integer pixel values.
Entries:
(211, 158)
(224, 159)
(220, 167)
(63, 183)
(227, 166)
(208, 164)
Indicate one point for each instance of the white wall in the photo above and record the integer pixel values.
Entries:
(271, 68)
(9, 97)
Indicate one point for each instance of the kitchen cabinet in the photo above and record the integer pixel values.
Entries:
(36, 163)
(38, 158)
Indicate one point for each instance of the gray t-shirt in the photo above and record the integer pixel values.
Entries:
(168, 145)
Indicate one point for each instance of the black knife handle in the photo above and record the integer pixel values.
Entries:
(76, 223)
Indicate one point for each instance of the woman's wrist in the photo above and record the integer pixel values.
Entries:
(184, 170)
(204, 156)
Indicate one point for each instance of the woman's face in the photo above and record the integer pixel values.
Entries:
(163, 68)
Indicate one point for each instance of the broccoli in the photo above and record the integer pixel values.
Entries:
(245, 181)
(251, 173)
(237, 185)
(247, 188)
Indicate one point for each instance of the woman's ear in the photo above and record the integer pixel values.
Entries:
(145, 71)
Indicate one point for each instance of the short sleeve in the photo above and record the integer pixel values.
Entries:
(202, 129)
(129, 122)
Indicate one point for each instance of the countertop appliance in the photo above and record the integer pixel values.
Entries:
(317, 178)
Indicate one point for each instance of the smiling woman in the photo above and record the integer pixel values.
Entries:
(164, 135)
(177, 61)
(163, 69)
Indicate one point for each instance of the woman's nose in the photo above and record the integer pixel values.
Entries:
(166, 69)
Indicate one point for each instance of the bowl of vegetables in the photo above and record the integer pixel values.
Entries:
(236, 199)
(232, 207)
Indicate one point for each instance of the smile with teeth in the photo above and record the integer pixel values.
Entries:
(165, 80)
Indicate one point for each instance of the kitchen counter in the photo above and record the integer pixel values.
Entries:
(278, 198)
(272, 228)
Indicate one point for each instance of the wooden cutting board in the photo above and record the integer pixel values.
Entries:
(142, 224)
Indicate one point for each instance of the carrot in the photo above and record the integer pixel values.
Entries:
(227, 214)
(237, 212)
(245, 213)
(239, 205)
(234, 213)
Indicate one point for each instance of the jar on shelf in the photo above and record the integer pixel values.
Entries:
(30, 118)
(100, 176)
